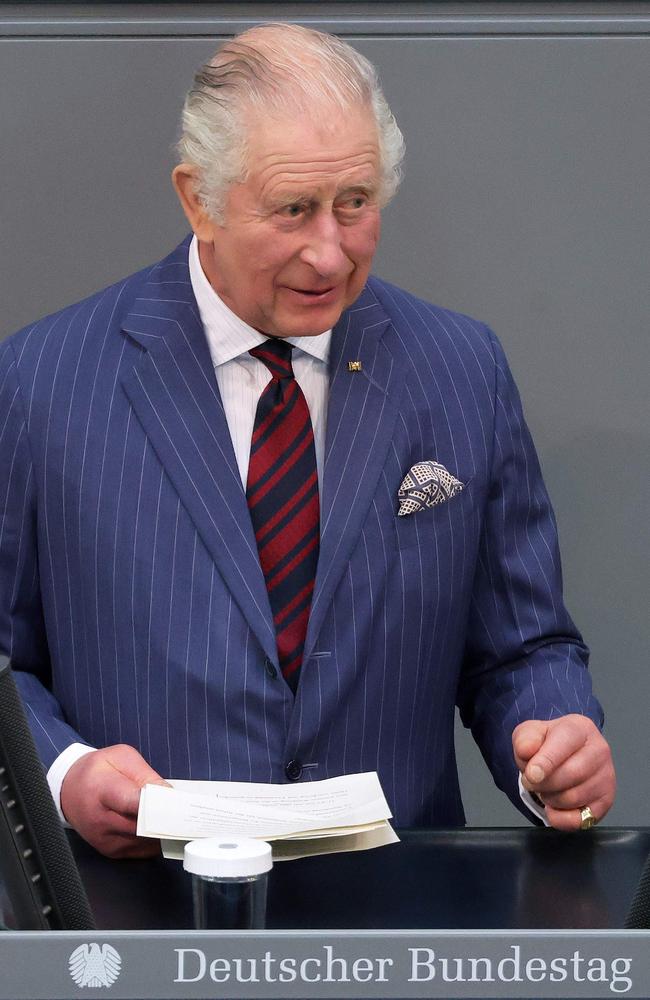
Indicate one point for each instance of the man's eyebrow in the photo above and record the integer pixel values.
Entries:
(293, 197)
(364, 182)
(369, 184)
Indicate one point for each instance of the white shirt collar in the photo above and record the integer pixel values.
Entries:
(229, 336)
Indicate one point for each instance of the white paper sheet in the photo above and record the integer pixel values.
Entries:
(190, 810)
(291, 850)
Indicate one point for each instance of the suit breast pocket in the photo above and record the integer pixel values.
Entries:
(440, 524)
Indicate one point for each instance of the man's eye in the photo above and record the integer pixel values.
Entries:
(355, 203)
(292, 211)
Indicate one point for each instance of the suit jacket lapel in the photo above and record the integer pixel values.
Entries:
(174, 393)
(361, 413)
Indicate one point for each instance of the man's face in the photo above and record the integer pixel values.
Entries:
(300, 232)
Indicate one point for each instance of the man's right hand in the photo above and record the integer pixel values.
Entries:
(100, 795)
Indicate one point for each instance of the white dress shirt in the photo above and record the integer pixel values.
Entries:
(241, 379)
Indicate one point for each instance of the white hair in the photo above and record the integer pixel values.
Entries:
(277, 68)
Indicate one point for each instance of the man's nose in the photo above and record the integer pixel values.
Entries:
(323, 250)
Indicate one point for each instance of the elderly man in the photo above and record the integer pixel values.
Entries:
(268, 518)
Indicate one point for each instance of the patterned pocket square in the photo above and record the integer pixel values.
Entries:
(424, 485)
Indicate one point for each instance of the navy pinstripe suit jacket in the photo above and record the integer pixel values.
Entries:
(131, 596)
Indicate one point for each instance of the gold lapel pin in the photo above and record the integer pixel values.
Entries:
(354, 366)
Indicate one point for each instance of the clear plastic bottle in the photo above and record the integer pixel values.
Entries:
(229, 882)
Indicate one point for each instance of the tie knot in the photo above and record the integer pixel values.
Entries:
(276, 355)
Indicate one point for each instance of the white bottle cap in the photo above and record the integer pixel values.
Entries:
(227, 857)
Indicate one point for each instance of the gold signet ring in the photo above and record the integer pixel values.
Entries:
(587, 818)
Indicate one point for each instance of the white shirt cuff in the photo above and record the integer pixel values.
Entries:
(60, 768)
(531, 804)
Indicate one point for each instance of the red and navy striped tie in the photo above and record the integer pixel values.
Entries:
(282, 494)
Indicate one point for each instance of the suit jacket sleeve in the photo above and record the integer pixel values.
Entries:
(22, 626)
(524, 657)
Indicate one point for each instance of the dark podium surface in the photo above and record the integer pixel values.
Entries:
(455, 879)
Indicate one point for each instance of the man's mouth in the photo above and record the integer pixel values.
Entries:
(315, 294)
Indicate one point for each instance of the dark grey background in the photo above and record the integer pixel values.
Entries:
(525, 204)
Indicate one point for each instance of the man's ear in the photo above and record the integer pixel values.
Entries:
(184, 181)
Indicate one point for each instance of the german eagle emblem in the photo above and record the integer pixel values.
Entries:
(93, 966)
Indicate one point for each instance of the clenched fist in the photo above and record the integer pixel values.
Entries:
(567, 764)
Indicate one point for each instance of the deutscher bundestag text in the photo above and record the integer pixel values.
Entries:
(422, 965)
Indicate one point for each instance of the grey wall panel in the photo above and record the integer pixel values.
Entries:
(525, 203)
(351, 17)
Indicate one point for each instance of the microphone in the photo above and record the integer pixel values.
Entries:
(36, 863)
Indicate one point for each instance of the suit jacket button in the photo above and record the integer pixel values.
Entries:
(270, 668)
(293, 770)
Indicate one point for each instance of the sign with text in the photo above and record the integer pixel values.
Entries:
(143, 965)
